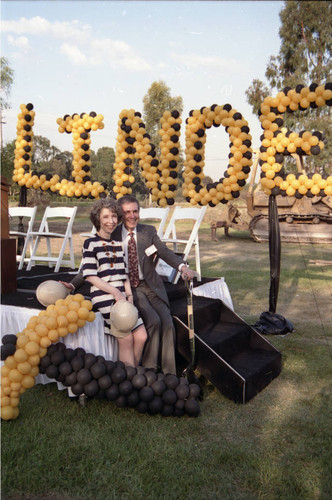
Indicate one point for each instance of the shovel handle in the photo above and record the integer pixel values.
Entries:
(190, 312)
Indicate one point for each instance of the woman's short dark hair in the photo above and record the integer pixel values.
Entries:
(99, 205)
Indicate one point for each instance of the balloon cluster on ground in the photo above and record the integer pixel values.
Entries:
(80, 127)
(278, 142)
(161, 174)
(133, 142)
(229, 186)
(23, 352)
(92, 375)
(143, 390)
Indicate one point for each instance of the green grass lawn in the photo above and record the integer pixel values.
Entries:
(277, 446)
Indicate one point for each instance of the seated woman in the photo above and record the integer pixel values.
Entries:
(104, 267)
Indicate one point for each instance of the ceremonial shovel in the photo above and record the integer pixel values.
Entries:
(189, 371)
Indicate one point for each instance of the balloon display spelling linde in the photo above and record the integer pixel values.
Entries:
(161, 175)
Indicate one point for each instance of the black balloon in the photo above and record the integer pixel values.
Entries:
(112, 392)
(7, 350)
(192, 407)
(171, 381)
(91, 388)
(155, 405)
(133, 399)
(138, 381)
(9, 339)
(159, 387)
(125, 387)
(65, 368)
(121, 401)
(77, 363)
(169, 397)
(146, 394)
(118, 375)
(57, 358)
(52, 371)
(77, 389)
(105, 382)
(98, 370)
(84, 376)
(89, 360)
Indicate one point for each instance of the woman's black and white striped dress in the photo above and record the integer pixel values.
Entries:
(98, 256)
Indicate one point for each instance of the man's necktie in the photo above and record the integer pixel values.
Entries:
(133, 261)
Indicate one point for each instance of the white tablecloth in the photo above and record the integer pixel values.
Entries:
(91, 337)
(217, 289)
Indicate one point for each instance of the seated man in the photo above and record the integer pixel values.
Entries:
(142, 246)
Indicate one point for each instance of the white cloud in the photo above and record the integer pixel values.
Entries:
(117, 53)
(41, 26)
(193, 61)
(21, 42)
(78, 45)
(74, 54)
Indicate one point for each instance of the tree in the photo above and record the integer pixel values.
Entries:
(43, 152)
(256, 94)
(306, 44)
(6, 81)
(61, 165)
(156, 101)
(304, 58)
(102, 165)
(7, 161)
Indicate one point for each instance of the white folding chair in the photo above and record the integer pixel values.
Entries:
(88, 235)
(65, 215)
(180, 214)
(17, 216)
(160, 214)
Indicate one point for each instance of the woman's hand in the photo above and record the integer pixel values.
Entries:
(118, 295)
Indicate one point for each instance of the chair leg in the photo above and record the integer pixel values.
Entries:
(32, 256)
(198, 262)
(72, 256)
(61, 254)
(59, 261)
(49, 250)
(26, 244)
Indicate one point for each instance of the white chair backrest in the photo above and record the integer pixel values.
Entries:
(58, 212)
(25, 212)
(155, 213)
(88, 235)
(51, 213)
(180, 213)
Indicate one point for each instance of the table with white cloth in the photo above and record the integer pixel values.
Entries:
(91, 337)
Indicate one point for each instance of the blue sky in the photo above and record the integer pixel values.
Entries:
(81, 56)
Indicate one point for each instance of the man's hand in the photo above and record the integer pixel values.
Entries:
(68, 285)
(187, 274)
